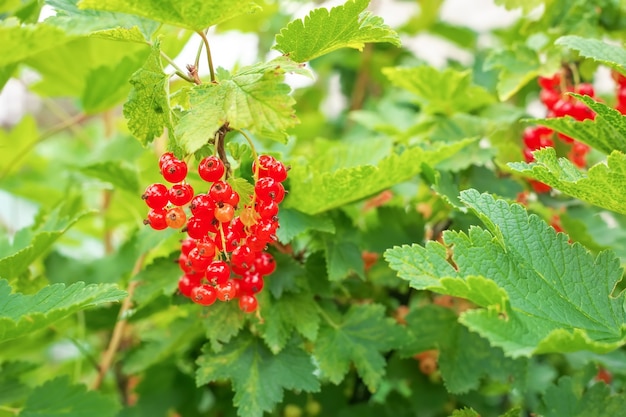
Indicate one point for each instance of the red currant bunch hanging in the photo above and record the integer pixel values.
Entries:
(224, 256)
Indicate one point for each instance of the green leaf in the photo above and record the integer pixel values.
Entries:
(342, 258)
(291, 312)
(465, 412)
(255, 98)
(158, 278)
(604, 185)
(223, 322)
(22, 41)
(313, 192)
(323, 31)
(193, 14)
(21, 314)
(121, 174)
(259, 377)
(566, 399)
(58, 397)
(611, 55)
(525, 5)
(117, 26)
(148, 107)
(518, 66)
(294, 223)
(18, 141)
(359, 337)
(541, 294)
(606, 133)
(448, 91)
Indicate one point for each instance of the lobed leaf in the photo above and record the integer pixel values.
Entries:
(21, 314)
(541, 293)
(313, 192)
(22, 41)
(259, 377)
(58, 397)
(359, 337)
(448, 91)
(611, 55)
(294, 222)
(120, 174)
(604, 185)
(518, 65)
(566, 399)
(324, 31)
(148, 108)
(192, 14)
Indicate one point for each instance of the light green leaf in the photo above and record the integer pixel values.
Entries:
(223, 322)
(255, 98)
(158, 278)
(465, 412)
(148, 107)
(611, 55)
(294, 222)
(22, 41)
(58, 397)
(604, 185)
(606, 133)
(115, 26)
(313, 192)
(120, 174)
(323, 31)
(448, 91)
(525, 5)
(291, 312)
(17, 141)
(21, 314)
(259, 377)
(359, 337)
(566, 399)
(193, 14)
(518, 66)
(541, 294)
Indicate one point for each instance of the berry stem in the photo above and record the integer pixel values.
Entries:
(224, 251)
(255, 156)
(208, 54)
(198, 54)
(178, 70)
(118, 330)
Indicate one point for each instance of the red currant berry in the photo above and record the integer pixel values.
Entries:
(187, 244)
(185, 264)
(180, 194)
(157, 219)
(256, 243)
(247, 303)
(242, 256)
(166, 157)
(224, 213)
(204, 295)
(549, 98)
(233, 200)
(268, 188)
(206, 248)
(220, 191)
(266, 208)
(155, 196)
(176, 218)
(231, 238)
(248, 216)
(264, 263)
(187, 283)
(265, 229)
(585, 89)
(562, 108)
(217, 272)
(226, 292)
(198, 262)
(202, 206)
(211, 169)
(197, 228)
(270, 167)
(251, 283)
(540, 187)
(550, 83)
(174, 170)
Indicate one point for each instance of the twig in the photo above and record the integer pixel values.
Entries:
(118, 330)
(208, 54)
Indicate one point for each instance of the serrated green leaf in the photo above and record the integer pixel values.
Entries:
(606, 133)
(611, 55)
(465, 412)
(291, 312)
(259, 377)
(313, 192)
(342, 259)
(448, 91)
(244, 188)
(58, 397)
(22, 314)
(538, 299)
(566, 399)
(293, 223)
(359, 338)
(323, 31)
(109, 25)
(22, 41)
(518, 65)
(120, 174)
(223, 322)
(160, 277)
(193, 14)
(255, 98)
(148, 108)
(604, 185)
(285, 278)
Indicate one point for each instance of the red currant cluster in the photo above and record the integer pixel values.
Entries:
(620, 91)
(224, 256)
(558, 104)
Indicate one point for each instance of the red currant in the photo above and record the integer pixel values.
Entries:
(247, 303)
(585, 89)
(166, 157)
(266, 208)
(550, 83)
(264, 263)
(187, 283)
(206, 248)
(217, 272)
(251, 283)
(157, 219)
(242, 256)
(176, 218)
(231, 238)
(197, 227)
(226, 292)
(202, 205)
(270, 167)
(174, 170)
(187, 244)
(224, 213)
(220, 191)
(180, 194)
(268, 188)
(155, 196)
(211, 169)
(204, 295)
(197, 260)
